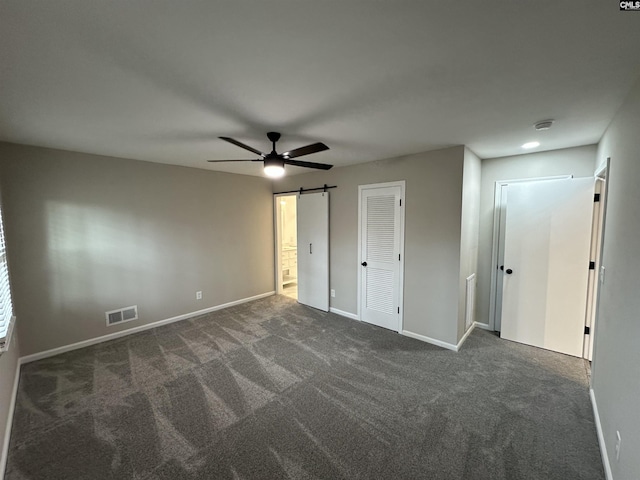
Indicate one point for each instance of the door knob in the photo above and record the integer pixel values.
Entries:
(509, 271)
(364, 264)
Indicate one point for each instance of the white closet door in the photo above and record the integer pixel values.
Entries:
(546, 262)
(380, 256)
(313, 250)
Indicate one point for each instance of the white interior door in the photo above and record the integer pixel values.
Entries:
(380, 252)
(497, 254)
(594, 277)
(313, 250)
(497, 323)
(546, 262)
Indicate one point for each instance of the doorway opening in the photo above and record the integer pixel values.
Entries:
(302, 247)
(287, 245)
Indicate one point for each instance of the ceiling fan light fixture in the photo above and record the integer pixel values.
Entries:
(274, 167)
(274, 162)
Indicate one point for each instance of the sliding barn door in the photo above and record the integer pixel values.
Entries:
(313, 250)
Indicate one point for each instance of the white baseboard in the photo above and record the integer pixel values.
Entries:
(130, 331)
(484, 326)
(440, 343)
(7, 433)
(342, 313)
(465, 336)
(603, 446)
(433, 341)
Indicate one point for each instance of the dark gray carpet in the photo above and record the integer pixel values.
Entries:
(272, 389)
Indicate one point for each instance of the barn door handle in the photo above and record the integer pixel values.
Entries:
(508, 271)
(364, 264)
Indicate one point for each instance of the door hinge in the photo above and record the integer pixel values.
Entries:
(592, 265)
(398, 309)
(400, 202)
(586, 330)
(398, 257)
(596, 197)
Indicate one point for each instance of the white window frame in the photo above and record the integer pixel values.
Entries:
(7, 319)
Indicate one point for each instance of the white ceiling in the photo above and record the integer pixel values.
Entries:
(161, 80)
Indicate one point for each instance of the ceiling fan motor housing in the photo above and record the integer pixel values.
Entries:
(273, 136)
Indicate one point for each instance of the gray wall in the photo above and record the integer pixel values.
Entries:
(616, 361)
(8, 364)
(470, 223)
(432, 234)
(577, 161)
(87, 234)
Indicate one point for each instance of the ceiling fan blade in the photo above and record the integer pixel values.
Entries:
(298, 152)
(242, 145)
(235, 160)
(298, 163)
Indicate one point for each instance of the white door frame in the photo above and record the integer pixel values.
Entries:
(497, 197)
(401, 184)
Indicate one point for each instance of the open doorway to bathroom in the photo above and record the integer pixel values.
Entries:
(287, 249)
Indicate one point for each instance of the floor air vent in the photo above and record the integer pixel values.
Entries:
(121, 315)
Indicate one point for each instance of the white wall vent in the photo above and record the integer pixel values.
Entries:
(471, 301)
(121, 315)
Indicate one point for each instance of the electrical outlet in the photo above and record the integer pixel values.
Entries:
(199, 295)
(618, 444)
(333, 293)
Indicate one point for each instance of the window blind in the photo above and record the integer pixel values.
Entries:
(6, 306)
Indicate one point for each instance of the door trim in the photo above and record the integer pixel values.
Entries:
(372, 186)
(277, 237)
(497, 203)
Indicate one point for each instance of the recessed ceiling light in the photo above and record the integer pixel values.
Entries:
(529, 145)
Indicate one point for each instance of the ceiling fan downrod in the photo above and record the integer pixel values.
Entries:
(274, 137)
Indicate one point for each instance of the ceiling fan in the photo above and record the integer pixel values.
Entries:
(274, 162)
